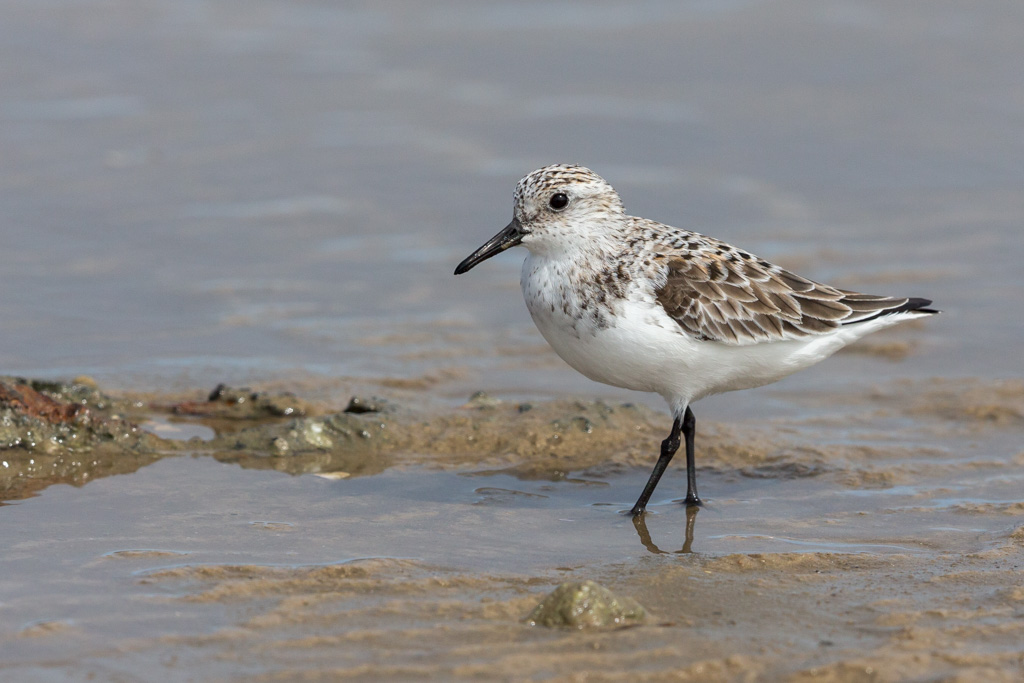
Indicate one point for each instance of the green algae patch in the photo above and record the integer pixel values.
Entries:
(585, 605)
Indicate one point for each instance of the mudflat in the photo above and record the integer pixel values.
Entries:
(255, 535)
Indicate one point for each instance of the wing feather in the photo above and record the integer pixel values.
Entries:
(721, 294)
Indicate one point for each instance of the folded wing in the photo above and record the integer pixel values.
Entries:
(729, 296)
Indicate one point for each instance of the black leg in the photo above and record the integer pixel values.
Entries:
(668, 448)
(689, 431)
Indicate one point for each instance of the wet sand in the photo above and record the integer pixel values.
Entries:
(841, 545)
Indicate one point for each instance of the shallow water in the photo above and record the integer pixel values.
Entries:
(220, 191)
(210, 186)
(180, 563)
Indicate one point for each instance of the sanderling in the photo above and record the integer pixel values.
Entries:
(644, 306)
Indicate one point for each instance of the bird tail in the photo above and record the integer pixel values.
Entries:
(867, 307)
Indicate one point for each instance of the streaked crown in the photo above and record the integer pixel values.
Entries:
(565, 203)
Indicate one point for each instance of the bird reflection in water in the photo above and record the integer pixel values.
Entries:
(640, 524)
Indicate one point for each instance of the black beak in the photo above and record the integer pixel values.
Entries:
(510, 236)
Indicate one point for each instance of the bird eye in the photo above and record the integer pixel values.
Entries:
(558, 201)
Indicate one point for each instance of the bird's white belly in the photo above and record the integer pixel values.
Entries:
(638, 346)
(631, 352)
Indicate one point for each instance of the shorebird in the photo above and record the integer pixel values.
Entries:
(644, 306)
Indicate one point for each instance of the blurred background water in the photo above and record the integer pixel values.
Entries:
(225, 190)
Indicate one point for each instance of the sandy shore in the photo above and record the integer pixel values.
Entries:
(877, 540)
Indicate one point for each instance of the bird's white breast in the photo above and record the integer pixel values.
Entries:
(623, 341)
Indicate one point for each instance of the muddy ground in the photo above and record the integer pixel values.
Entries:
(882, 541)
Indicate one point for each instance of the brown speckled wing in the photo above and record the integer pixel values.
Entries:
(718, 293)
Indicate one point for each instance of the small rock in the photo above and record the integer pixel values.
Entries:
(314, 434)
(244, 404)
(85, 381)
(481, 400)
(585, 604)
(358, 405)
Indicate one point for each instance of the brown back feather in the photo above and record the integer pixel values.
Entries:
(735, 300)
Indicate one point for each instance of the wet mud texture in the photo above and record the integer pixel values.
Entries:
(944, 610)
(795, 617)
(67, 433)
(72, 432)
(92, 435)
